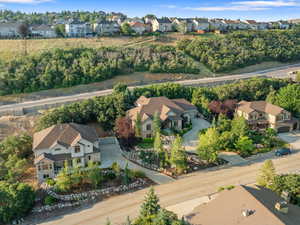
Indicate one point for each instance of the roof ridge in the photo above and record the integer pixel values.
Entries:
(259, 202)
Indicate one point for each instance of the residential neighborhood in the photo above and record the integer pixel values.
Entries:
(109, 25)
(185, 113)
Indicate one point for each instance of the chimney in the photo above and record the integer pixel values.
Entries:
(248, 212)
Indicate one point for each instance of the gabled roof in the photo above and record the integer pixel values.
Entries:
(201, 20)
(260, 106)
(147, 107)
(63, 134)
(227, 208)
(251, 21)
(53, 158)
(164, 20)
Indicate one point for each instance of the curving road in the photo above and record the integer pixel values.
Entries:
(279, 72)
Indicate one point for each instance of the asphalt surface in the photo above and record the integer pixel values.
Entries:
(279, 72)
(188, 188)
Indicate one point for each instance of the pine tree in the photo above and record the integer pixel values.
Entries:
(178, 156)
(156, 124)
(138, 126)
(158, 147)
(267, 174)
(150, 205)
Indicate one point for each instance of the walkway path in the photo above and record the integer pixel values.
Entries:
(111, 153)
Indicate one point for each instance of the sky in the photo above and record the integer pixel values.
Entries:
(261, 10)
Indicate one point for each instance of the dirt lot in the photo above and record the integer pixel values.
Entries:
(10, 125)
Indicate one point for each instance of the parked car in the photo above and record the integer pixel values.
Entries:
(283, 151)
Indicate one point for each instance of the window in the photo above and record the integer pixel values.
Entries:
(45, 176)
(57, 149)
(39, 168)
(149, 136)
(148, 127)
(77, 149)
(78, 160)
(45, 167)
(89, 157)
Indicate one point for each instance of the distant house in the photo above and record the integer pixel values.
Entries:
(200, 24)
(284, 25)
(174, 113)
(262, 115)
(252, 24)
(138, 27)
(162, 25)
(246, 205)
(106, 27)
(77, 29)
(217, 24)
(9, 30)
(187, 24)
(74, 143)
(236, 25)
(45, 31)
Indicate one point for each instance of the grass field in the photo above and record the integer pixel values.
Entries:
(15, 48)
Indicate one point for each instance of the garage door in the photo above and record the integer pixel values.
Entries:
(283, 129)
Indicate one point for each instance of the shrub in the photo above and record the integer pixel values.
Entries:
(50, 182)
(49, 200)
(138, 174)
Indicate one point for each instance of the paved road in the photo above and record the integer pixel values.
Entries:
(186, 189)
(279, 72)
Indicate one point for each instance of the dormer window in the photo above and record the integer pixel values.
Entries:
(77, 149)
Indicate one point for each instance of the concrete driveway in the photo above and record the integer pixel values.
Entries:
(111, 153)
(293, 138)
(191, 138)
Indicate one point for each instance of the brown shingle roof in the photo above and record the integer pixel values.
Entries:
(149, 106)
(261, 106)
(63, 134)
(58, 157)
(227, 209)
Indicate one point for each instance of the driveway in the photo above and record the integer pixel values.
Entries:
(191, 138)
(111, 153)
(293, 138)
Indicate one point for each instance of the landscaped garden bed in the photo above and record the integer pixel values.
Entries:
(76, 188)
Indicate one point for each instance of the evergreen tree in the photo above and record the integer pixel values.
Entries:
(156, 124)
(158, 147)
(178, 156)
(267, 174)
(138, 126)
(150, 205)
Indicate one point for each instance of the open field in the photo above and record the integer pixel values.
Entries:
(14, 48)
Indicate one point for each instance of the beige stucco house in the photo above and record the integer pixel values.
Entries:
(261, 115)
(162, 25)
(74, 143)
(173, 113)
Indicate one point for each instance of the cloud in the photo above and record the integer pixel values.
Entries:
(227, 8)
(25, 1)
(248, 5)
(166, 6)
(267, 3)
